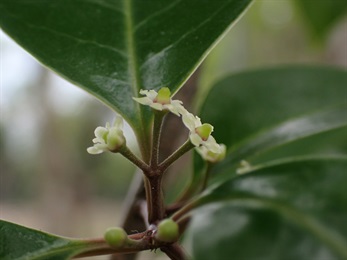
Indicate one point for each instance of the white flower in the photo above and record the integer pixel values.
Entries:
(200, 134)
(108, 138)
(210, 156)
(160, 101)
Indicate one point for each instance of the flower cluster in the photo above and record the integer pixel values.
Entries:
(199, 134)
(109, 138)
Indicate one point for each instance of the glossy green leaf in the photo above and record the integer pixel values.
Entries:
(321, 15)
(114, 48)
(243, 104)
(276, 107)
(286, 133)
(21, 243)
(289, 209)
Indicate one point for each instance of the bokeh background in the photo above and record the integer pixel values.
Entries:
(49, 181)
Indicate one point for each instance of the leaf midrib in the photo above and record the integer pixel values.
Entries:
(133, 68)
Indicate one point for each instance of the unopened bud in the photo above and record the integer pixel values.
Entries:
(168, 231)
(115, 139)
(115, 237)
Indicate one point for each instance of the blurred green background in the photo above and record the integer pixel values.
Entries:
(50, 182)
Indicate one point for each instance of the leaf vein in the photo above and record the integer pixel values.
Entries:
(82, 41)
(167, 8)
(196, 28)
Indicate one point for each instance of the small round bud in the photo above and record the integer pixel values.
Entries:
(168, 231)
(115, 236)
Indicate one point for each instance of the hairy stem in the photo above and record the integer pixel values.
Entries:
(186, 147)
(156, 211)
(147, 186)
(175, 252)
(184, 210)
(127, 153)
(157, 125)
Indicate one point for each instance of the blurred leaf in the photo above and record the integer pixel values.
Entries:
(21, 243)
(273, 107)
(113, 49)
(289, 209)
(321, 15)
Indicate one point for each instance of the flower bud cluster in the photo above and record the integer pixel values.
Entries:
(199, 134)
(109, 138)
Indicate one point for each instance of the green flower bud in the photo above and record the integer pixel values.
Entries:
(115, 237)
(108, 138)
(168, 231)
(115, 139)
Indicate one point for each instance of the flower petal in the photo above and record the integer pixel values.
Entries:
(157, 106)
(101, 132)
(144, 100)
(94, 150)
(151, 94)
(195, 139)
(99, 140)
(175, 107)
(212, 145)
(190, 121)
(118, 122)
(210, 156)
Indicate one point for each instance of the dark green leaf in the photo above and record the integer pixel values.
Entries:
(276, 107)
(243, 104)
(113, 48)
(285, 133)
(21, 243)
(293, 209)
(321, 15)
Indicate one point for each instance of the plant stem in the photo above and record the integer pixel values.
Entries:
(147, 186)
(187, 146)
(157, 125)
(156, 208)
(184, 210)
(127, 153)
(136, 244)
(174, 251)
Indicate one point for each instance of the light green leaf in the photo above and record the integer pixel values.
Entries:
(114, 48)
(289, 209)
(21, 243)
